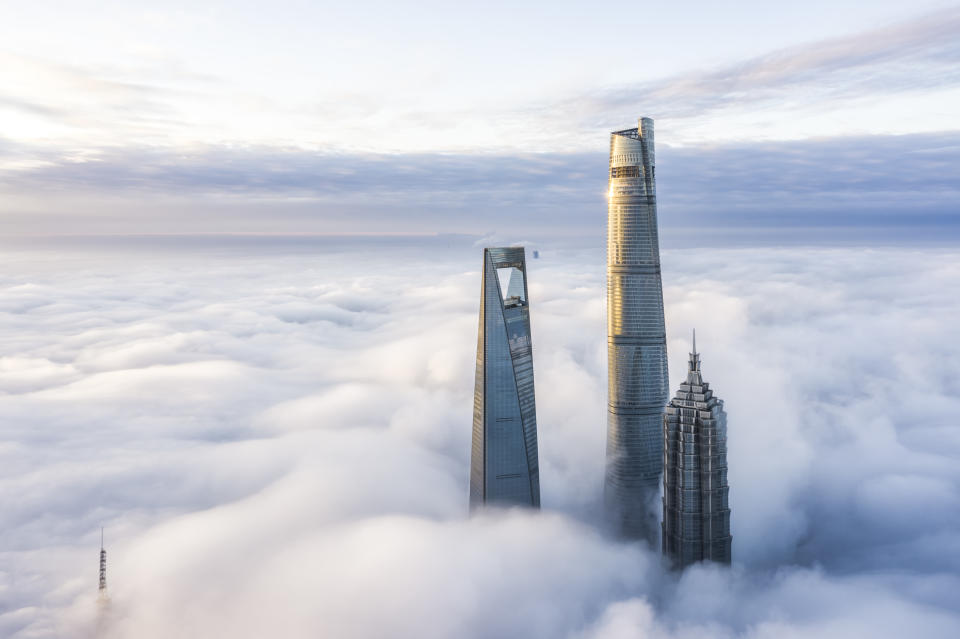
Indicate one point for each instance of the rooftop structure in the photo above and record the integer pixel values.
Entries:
(503, 464)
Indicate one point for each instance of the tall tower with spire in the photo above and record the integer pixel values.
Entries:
(638, 386)
(696, 512)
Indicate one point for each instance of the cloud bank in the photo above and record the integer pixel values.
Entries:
(277, 441)
(897, 185)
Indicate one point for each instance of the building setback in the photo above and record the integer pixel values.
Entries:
(503, 462)
(696, 512)
(636, 339)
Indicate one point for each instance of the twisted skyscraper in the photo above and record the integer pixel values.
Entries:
(696, 514)
(503, 463)
(636, 339)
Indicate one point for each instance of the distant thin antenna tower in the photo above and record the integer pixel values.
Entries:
(103, 566)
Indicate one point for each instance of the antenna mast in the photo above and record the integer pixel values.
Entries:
(103, 565)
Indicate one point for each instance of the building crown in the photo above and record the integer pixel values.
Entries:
(693, 365)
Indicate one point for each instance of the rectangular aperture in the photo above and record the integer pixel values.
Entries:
(512, 286)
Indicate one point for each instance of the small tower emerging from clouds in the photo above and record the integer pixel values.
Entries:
(103, 568)
(696, 513)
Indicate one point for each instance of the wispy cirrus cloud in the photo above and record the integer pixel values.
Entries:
(916, 54)
(897, 79)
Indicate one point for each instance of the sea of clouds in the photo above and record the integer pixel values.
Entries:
(276, 438)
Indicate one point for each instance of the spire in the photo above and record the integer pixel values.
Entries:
(694, 364)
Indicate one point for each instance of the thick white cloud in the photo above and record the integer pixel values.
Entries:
(277, 442)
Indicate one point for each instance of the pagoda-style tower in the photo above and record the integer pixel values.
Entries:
(696, 513)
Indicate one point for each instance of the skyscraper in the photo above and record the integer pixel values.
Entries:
(503, 463)
(696, 514)
(636, 339)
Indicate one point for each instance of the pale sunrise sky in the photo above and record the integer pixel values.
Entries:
(303, 117)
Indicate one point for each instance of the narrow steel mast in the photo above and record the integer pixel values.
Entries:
(103, 567)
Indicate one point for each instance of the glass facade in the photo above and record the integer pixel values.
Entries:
(696, 512)
(503, 462)
(636, 339)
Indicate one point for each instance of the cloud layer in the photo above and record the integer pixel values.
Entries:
(277, 441)
(900, 186)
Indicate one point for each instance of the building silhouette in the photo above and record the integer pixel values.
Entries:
(102, 590)
(696, 512)
(503, 462)
(636, 339)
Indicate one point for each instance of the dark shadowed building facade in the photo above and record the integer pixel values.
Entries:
(504, 469)
(696, 511)
(636, 339)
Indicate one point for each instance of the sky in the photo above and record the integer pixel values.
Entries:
(474, 117)
(276, 439)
